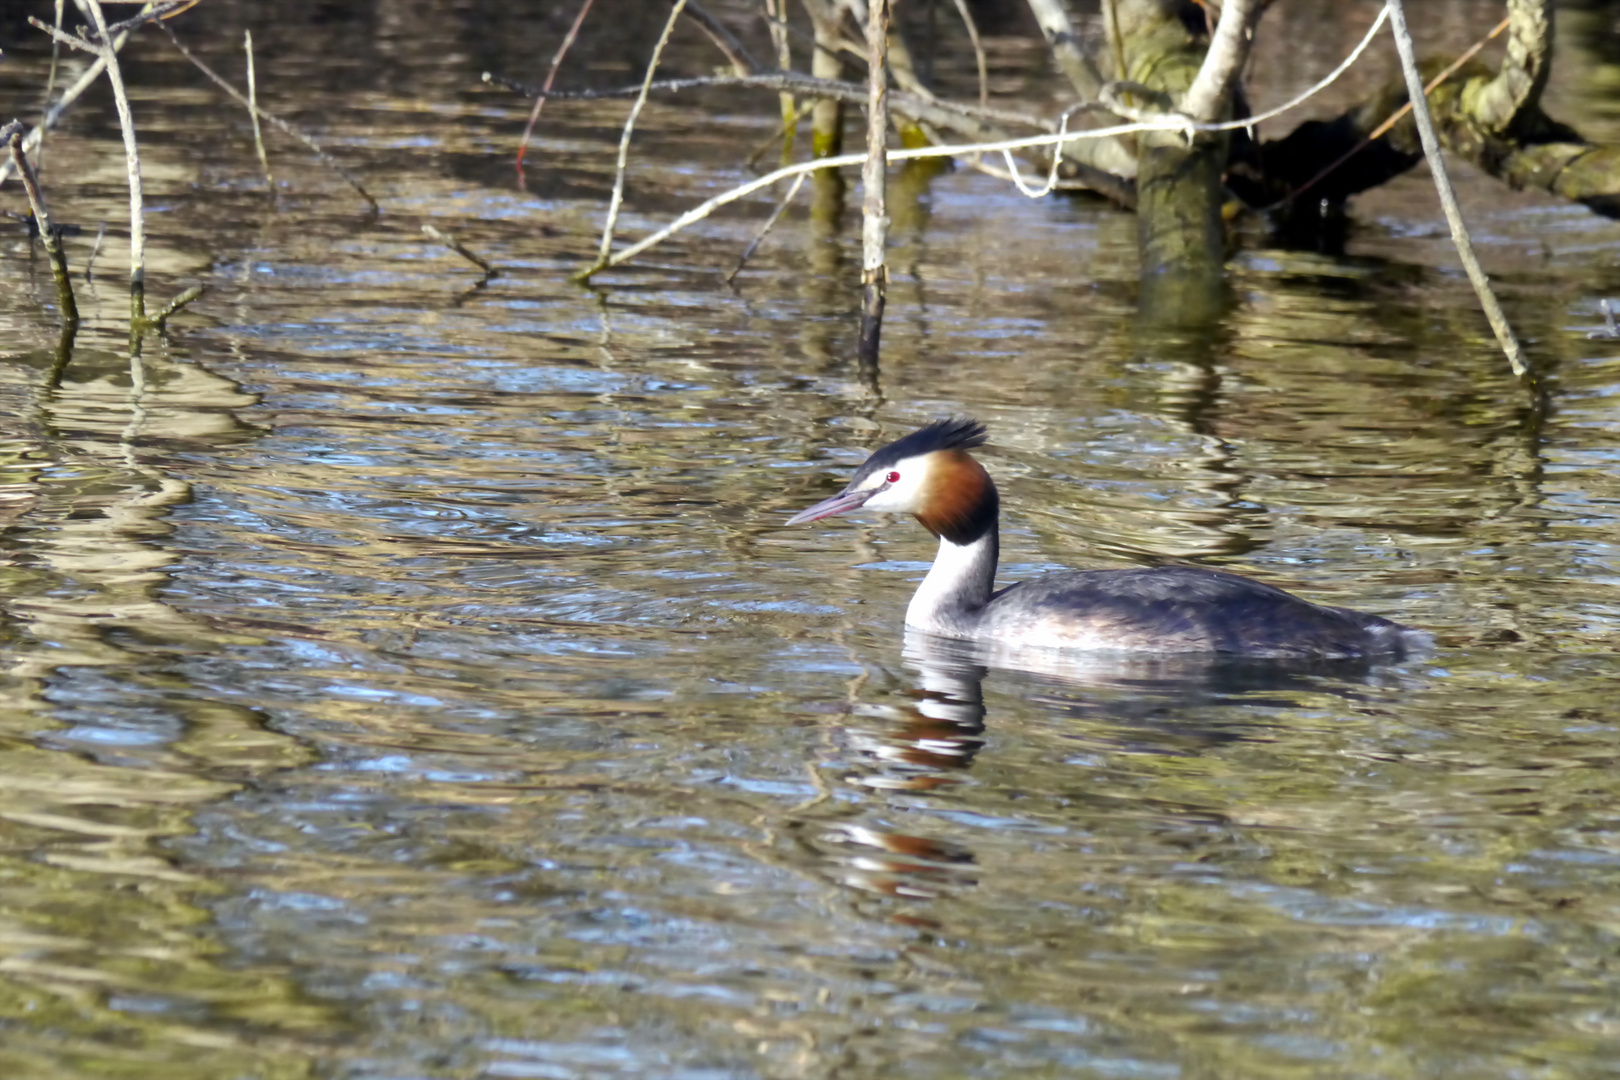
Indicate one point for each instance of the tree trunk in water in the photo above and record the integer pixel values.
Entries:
(1180, 234)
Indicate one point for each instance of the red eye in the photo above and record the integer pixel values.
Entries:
(893, 478)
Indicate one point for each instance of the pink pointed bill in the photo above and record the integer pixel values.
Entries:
(841, 503)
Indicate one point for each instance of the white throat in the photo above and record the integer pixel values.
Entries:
(951, 599)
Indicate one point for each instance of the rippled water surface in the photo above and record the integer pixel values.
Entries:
(407, 677)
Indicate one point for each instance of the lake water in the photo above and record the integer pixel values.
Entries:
(408, 677)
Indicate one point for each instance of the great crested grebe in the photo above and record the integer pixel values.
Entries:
(1168, 609)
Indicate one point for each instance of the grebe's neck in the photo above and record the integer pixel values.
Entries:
(951, 599)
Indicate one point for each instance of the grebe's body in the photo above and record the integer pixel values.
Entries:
(1172, 609)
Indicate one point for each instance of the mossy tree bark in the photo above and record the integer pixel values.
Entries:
(1179, 188)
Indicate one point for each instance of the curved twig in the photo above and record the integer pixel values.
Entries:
(978, 52)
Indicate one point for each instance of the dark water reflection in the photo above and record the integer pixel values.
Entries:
(411, 679)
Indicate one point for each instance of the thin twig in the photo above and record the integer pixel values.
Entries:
(736, 53)
(282, 125)
(101, 234)
(784, 132)
(42, 217)
(132, 161)
(770, 223)
(460, 249)
(1448, 198)
(253, 112)
(50, 80)
(161, 319)
(540, 99)
(617, 198)
(161, 11)
(73, 41)
(978, 52)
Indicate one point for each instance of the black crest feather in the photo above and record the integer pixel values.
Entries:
(951, 433)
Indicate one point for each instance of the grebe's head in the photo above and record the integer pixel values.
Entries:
(928, 474)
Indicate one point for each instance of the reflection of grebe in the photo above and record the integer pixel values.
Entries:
(1170, 609)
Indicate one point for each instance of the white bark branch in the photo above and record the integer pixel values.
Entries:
(1209, 98)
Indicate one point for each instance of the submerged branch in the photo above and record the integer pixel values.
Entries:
(450, 242)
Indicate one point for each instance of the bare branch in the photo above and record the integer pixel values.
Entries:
(1209, 97)
(947, 114)
(874, 214)
(978, 51)
(784, 62)
(132, 162)
(53, 243)
(1448, 198)
(253, 112)
(617, 198)
(737, 54)
(551, 73)
(161, 319)
(461, 249)
(1061, 38)
(770, 223)
(161, 11)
